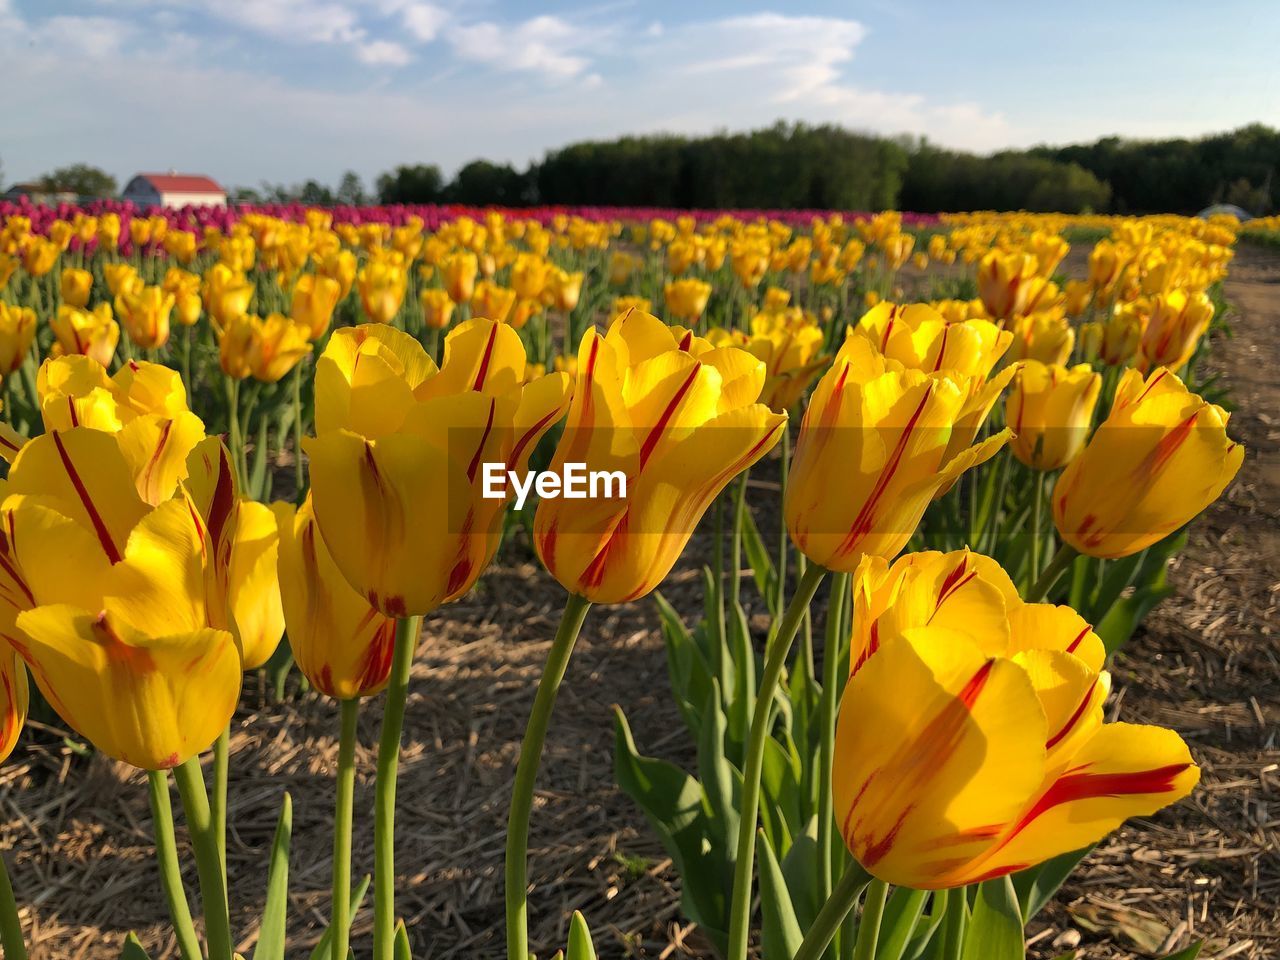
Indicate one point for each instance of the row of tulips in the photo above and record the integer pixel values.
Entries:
(999, 760)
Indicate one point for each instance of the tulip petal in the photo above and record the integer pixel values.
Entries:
(150, 702)
(157, 449)
(13, 699)
(254, 586)
(159, 586)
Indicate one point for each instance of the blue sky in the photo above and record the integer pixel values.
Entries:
(283, 90)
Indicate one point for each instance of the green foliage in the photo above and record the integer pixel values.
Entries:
(412, 183)
(82, 179)
(481, 182)
(944, 180)
(271, 935)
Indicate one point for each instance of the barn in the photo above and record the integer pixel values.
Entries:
(174, 190)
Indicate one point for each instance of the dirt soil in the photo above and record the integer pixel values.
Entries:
(77, 831)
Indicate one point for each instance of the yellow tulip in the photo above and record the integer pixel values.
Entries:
(227, 295)
(873, 450)
(621, 266)
(1046, 336)
(40, 256)
(524, 310)
(1000, 757)
(17, 332)
(529, 274)
(459, 272)
(1007, 283)
(341, 644)
(397, 466)
(241, 582)
(8, 265)
(1121, 333)
(679, 427)
(381, 283)
(1079, 297)
(437, 308)
(122, 649)
(1161, 456)
(75, 285)
(143, 404)
(180, 245)
(109, 231)
(566, 289)
(792, 357)
(139, 232)
(146, 316)
(264, 349)
(1176, 322)
(339, 265)
(622, 305)
(897, 249)
(1050, 411)
(315, 297)
(120, 277)
(492, 301)
(93, 334)
(687, 299)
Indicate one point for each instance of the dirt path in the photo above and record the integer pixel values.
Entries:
(77, 833)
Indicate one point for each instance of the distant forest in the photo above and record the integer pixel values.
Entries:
(800, 166)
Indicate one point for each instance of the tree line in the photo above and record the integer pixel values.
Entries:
(821, 167)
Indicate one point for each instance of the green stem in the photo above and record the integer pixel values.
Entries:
(1037, 518)
(221, 770)
(344, 791)
(535, 735)
(299, 478)
(827, 725)
(1061, 560)
(954, 923)
(170, 872)
(233, 422)
(213, 887)
(775, 657)
(735, 551)
(384, 802)
(10, 923)
(872, 916)
(837, 907)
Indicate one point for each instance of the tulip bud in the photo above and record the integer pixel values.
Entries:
(75, 285)
(1050, 411)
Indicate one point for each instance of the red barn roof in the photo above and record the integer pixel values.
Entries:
(182, 183)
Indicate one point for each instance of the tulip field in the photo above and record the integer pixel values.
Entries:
(441, 582)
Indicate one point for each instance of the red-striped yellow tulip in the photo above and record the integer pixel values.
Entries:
(1175, 324)
(145, 316)
(17, 331)
(1009, 283)
(341, 644)
(75, 285)
(143, 403)
(873, 451)
(687, 299)
(264, 349)
(14, 598)
(397, 466)
(437, 308)
(314, 298)
(678, 426)
(1050, 411)
(791, 352)
(459, 273)
(1121, 334)
(1161, 456)
(1000, 758)
(121, 649)
(241, 538)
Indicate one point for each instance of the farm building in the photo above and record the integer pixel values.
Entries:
(174, 190)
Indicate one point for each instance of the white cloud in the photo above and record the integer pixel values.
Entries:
(547, 45)
(383, 53)
(423, 21)
(298, 21)
(81, 36)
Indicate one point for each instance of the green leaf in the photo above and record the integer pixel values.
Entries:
(901, 918)
(323, 947)
(689, 672)
(995, 928)
(740, 695)
(1037, 885)
(257, 480)
(271, 935)
(800, 870)
(580, 945)
(1187, 953)
(716, 771)
(132, 949)
(781, 934)
(673, 803)
(762, 568)
(400, 945)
